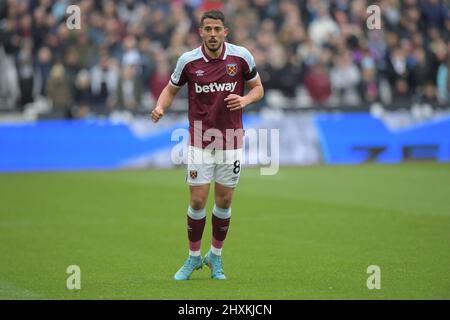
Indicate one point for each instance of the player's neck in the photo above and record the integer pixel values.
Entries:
(213, 54)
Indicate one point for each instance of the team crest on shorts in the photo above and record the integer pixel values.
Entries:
(232, 69)
(193, 174)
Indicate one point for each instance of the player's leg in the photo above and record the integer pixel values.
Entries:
(199, 175)
(221, 216)
(227, 176)
(196, 217)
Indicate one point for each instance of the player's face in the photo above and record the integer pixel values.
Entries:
(213, 33)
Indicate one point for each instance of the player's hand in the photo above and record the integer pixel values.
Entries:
(235, 102)
(157, 114)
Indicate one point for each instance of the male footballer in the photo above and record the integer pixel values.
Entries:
(216, 74)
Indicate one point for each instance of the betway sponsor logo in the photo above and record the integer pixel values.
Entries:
(214, 86)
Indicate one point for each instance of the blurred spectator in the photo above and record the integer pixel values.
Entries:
(212, 5)
(59, 9)
(96, 30)
(345, 77)
(43, 66)
(39, 28)
(318, 84)
(146, 54)
(104, 81)
(443, 79)
(112, 41)
(308, 52)
(72, 65)
(129, 92)
(397, 74)
(429, 95)
(282, 74)
(129, 11)
(434, 13)
(401, 93)
(160, 76)
(131, 55)
(9, 89)
(85, 50)
(391, 13)
(419, 70)
(83, 94)
(25, 72)
(58, 90)
(370, 84)
(323, 27)
(159, 28)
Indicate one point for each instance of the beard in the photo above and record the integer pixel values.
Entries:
(213, 49)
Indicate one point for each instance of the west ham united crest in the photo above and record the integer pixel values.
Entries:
(232, 69)
(193, 174)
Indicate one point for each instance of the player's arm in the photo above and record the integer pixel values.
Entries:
(256, 92)
(164, 101)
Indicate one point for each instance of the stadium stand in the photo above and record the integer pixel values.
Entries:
(124, 52)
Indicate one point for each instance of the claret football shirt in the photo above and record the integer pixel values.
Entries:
(210, 81)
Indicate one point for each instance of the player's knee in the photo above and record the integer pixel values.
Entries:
(198, 203)
(223, 201)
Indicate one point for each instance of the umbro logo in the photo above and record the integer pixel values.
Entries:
(199, 73)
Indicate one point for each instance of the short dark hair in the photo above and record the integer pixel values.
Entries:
(213, 14)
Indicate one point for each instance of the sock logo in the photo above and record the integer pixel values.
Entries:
(215, 87)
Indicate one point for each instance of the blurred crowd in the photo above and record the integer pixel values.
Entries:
(308, 52)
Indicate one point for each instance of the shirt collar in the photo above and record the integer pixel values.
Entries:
(222, 56)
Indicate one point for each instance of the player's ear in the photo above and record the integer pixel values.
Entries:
(225, 31)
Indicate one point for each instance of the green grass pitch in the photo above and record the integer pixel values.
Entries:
(305, 233)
